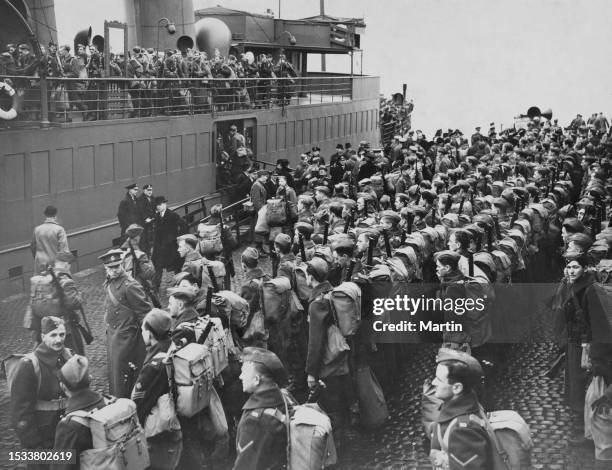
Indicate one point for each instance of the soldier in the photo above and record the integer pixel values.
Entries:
(71, 301)
(71, 432)
(126, 305)
(143, 270)
(459, 439)
(305, 230)
(264, 86)
(285, 71)
(228, 242)
(181, 305)
(48, 239)
(259, 196)
(37, 401)
(187, 249)
(165, 448)
(337, 396)
(336, 219)
(128, 212)
(251, 291)
(261, 439)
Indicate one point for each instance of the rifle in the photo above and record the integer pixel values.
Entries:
(449, 204)
(471, 264)
(85, 331)
(461, 205)
(302, 249)
(229, 259)
(489, 238)
(275, 263)
(387, 244)
(208, 308)
(315, 393)
(555, 367)
(213, 279)
(371, 245)
(515, 215)
(472, 203)
(144, 283)
(349, 271)
(382, 175)
(325, 233)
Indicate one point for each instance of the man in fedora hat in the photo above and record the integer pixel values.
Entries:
(168, 227)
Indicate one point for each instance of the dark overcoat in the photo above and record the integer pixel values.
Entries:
(168, 228)
(126, 306)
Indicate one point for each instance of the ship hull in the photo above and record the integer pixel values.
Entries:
(83, 168)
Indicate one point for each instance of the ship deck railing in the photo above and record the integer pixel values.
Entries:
(55, 101)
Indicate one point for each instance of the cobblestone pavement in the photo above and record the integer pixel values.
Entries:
(400, 444)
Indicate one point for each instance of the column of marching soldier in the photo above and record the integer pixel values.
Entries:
(522, 206)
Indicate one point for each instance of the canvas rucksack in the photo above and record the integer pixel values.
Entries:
(277, 212)
(119, 442)
(310, 443)
(44, 296)
(231, 306)
(345, 301)
(10, 367)
(218, 269)
(509, 436)
(210, 239)
(192, 372)
(302, 289)
(215, 340)
(275, 297)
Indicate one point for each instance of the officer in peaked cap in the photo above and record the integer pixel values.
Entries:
(261, 437)
(126, 305)
(128, 211)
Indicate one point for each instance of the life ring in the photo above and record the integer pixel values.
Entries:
(11, 113)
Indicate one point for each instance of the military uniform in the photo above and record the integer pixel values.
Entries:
(71, 434)
(164, 448)
(469, 447)
(261, 440)
(128, 213)
(37, 404)
(126, 305)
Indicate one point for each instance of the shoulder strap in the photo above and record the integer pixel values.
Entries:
(443, 440)
(332, 309)
(499, 450)
(111, 296)
(36, 365)
(80, 416)
(288, 428)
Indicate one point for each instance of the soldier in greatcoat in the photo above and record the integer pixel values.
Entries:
(126, 305)
(37, 402)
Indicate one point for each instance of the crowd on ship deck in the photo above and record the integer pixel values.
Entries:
(464, 215)
(192, 92)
